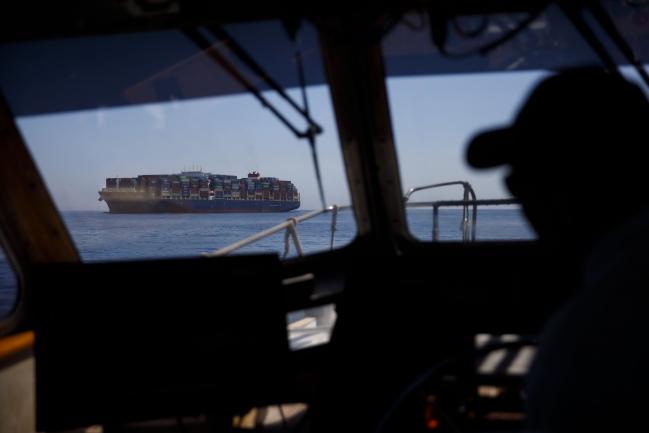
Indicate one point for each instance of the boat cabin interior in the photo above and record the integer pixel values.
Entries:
(391, 324)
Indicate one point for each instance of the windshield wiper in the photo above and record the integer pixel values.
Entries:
(208, 47)
(574, 12)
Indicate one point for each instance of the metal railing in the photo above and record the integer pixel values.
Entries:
(468, 229)
(468, 193)
(290, 225)
(469, 204)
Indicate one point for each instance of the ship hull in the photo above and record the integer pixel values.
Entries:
(116, 205)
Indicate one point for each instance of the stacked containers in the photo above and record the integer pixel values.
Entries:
(283, 189)
(152, 185)
(259, 192)
(194, 183)
(250, 182)
(227, 188)
(148, 184)
(184, 187)
(265, 188)
(165, 187)
(236, 192)
(217, 181)
(243, 189)
(141, 183)
(204, 188)
(175, 188)
(122, 183)
(275, 188)
(289, 191)
(210, 186)
(296, 194)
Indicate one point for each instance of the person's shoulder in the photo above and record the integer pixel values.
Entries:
(620, 259)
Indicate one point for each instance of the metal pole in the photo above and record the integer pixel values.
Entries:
(287, 245)
(334, 216)
(465, 215)
(474, 223)
(435, 223)
(296, 239)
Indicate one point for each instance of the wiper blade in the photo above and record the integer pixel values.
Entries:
(605, 21)
(574, 11)
(242, 54)
(208, 47)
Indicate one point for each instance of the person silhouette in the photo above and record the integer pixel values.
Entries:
(576, 156)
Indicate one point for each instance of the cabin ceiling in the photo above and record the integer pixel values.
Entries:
(134, 51)
(31, 20)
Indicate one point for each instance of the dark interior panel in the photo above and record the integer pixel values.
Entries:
(138, 340)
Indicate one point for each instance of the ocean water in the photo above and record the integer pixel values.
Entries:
(8, 287)
(101, 236)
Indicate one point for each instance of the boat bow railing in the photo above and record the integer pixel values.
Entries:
(469, 204)
(468, 226)
(290, 234)
(469, 200)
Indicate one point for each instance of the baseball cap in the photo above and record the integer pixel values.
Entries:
(584, 110)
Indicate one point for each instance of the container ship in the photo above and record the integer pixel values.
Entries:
(199, 192)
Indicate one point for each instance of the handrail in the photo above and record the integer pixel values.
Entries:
(464, 203)
(291, 232)
(452, 203)
(468, 191)
(290, 225)
(466, 185)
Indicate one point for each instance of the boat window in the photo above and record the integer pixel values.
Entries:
(183, 142)
(449, 80)
(431, 135)
(8, 286)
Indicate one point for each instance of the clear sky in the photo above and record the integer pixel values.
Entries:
(433, 117)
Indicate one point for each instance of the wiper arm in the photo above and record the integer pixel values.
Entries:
(574, 12)
(242, 54)
(204, 44)
(604, 20)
